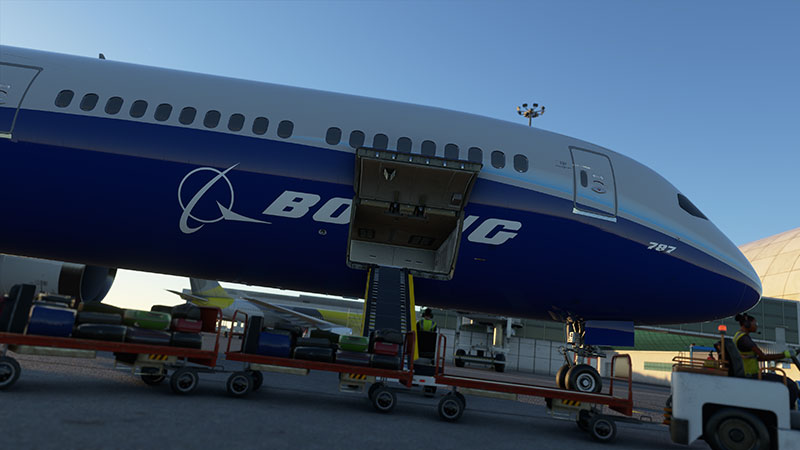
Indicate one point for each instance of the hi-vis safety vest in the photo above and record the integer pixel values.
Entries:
(749, 359)
(427, 325)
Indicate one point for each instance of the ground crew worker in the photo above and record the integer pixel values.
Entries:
(426, 323)
(751, 355)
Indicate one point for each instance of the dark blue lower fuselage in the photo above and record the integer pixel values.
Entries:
(105, 191)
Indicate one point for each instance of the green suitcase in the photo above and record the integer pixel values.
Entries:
(354, 343)
(146, 319)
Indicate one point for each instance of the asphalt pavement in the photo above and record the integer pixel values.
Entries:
(64, 403)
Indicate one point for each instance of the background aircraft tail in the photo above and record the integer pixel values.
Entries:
(208, 288)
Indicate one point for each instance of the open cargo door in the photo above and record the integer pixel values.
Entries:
(408, 212)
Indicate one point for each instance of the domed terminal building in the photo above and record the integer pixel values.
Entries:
(777, 262)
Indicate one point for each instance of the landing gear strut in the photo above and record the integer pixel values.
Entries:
(575, 375)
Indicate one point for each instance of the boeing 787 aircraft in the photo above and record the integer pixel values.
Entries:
(121, 165)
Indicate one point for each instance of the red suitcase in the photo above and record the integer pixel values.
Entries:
(385, 348)
(187, 325)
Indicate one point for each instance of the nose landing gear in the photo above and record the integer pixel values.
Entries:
(575, 375)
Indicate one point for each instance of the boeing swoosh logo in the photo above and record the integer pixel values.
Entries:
(226, 213)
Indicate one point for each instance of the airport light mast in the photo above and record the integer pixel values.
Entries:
(531, 112)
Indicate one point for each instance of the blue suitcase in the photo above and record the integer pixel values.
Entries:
(51, 321)
(275, 343)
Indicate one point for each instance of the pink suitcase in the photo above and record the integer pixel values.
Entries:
(187, 325)
(385, 348)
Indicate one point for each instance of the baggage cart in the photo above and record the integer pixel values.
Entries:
(151, 362)
(352, 378)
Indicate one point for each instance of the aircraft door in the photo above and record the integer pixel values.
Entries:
(595, 191)
(14, 82)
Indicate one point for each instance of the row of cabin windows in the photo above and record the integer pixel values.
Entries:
(236, 121)
(164, 111)
(428, 148)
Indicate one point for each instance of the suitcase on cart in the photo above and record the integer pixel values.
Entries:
(332, 337)
(146, 319)
(187, 311)
(387, 335)
(385, 362)
(102, 332)
(296, 330)
(97, 317)
(275, 343)
(101, 308)
(147, 336)
(320, 354)
(352, 358)
(385, 348)
(187, 325)
(209, 316)
(354, 343)
(251, 334)
(51, 321)
(162, 309)
(63, 300)
(188, 340)
(17, 309)
(314, 342)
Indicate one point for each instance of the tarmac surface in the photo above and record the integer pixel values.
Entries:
(69, 403)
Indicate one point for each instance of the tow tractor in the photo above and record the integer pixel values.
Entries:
(712, 400)
(493, 352)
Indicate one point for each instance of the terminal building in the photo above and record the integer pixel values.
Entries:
(534, 346)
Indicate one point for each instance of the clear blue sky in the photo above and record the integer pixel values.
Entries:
(706, 93)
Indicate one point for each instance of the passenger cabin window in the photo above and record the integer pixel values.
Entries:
(113, 105)
(475, 155)
(521, 163)
(64, 98)
(89, 101)
(163, 112)
(187, 115)
(333, 136)
(428, 148)
(212, 119)
(138, 108)
(285, 129)
(404, 145)
(689, 207)
(451, 151)
(498, 159)
(260, 125)
(380, 141)
(236, 122)
(356, 139)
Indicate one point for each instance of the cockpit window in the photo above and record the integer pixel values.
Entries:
(689, 207)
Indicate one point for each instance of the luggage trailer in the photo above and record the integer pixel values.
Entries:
(351, 378)
(586, 409)
(151, 362)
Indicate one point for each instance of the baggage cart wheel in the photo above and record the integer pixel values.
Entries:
(583, 420)
(372, 389)
(602, 429)
(184, 381)
(429, 391)
(451, 407)
(736, 429)
(561, 377)
(153, 379)
(9, 371)
(461, 396)
(240, 384)
(258, 379)
(383, 399)
(584, 378)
